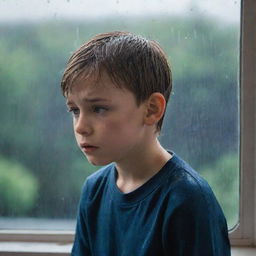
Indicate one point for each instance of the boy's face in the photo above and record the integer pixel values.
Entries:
(108, 123)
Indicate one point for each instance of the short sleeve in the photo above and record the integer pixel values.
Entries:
(81, 245)
(196, 227)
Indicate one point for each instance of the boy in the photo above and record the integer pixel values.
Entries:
(146, 201)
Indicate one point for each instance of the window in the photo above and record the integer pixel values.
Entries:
(244, 234)
(45, 169)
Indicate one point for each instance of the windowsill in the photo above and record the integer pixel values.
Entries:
(34, 248)
(243, 251)
(43, 249)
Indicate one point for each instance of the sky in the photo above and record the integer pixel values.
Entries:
(36, 10)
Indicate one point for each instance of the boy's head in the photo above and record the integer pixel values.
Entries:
(131, 61)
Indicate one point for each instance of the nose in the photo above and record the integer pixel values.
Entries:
(82, 125)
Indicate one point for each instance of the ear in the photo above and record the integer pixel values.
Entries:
(155, 107)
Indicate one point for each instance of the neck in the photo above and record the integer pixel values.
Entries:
(135, 171)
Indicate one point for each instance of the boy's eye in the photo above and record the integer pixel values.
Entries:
(74, 111)
(99, 109)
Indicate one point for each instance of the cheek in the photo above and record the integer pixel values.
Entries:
(121, 130)
(78, 138)
(111, 128)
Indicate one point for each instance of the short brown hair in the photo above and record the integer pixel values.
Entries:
(131, 61)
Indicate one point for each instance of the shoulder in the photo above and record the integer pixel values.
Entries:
(193, 219)
(189, 200)
(187, 188)
(96, 182)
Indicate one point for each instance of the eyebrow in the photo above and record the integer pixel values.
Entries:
(91, 100)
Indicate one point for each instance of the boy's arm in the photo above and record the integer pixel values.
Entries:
(197, 227)
(81, 245)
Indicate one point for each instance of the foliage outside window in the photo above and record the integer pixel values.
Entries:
(41, 169)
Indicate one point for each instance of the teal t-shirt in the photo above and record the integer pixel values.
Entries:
(175, 213)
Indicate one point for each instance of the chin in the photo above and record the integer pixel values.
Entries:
(98, 162)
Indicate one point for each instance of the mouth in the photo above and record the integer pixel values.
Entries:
(87, 148)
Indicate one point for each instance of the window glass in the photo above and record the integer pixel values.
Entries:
(41, 168)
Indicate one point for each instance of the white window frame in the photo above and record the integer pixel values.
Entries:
(244, 234)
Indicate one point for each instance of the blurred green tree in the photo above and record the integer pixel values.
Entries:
(18, 188)
(221, 177)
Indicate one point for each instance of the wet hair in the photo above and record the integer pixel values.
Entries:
(131, 61)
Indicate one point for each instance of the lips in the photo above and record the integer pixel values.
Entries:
(88, 148)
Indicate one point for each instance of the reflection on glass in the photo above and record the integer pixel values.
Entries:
(41, 169)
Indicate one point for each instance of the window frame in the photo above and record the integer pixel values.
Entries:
(244, 234)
